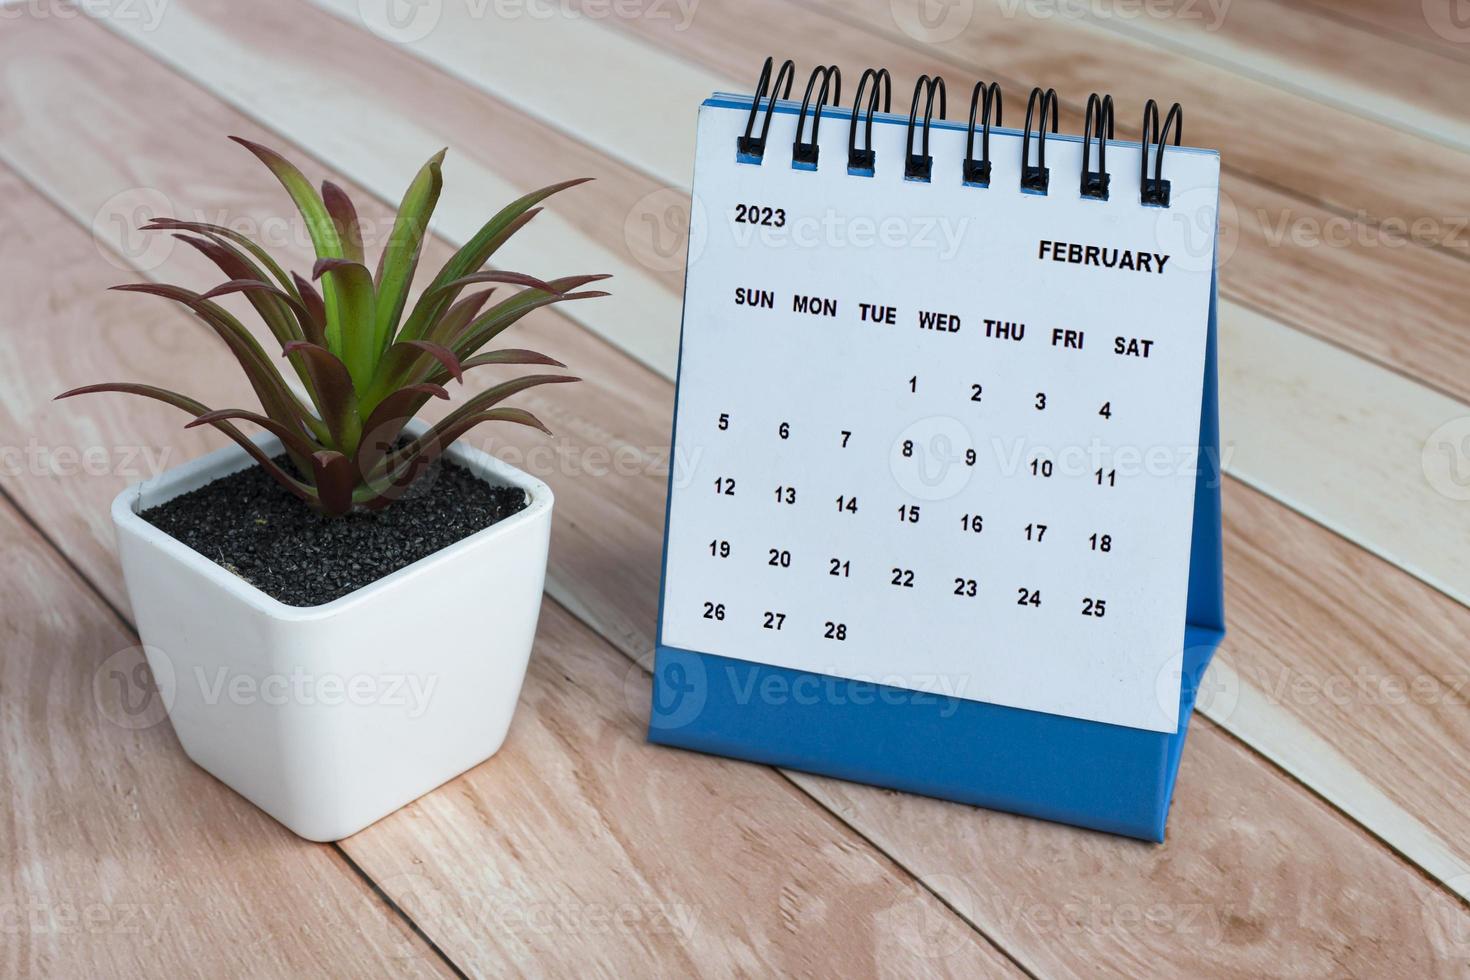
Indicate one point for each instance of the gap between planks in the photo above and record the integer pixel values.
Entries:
(288, 134)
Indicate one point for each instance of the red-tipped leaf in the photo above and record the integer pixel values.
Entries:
(344, 216)
(196, 409)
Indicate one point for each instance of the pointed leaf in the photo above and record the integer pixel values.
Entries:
(278, 316)
(316, 329)
(502, 316)
(275, 397)
(475, 253)
(221, 234)
(293, 440)
(319, 223)
(470, 407)
(256, 285)
(344, 216)
(400, 256)
(336, 400)
(350, 328)
(458, 317)
(197, 408)
(335, 480)
(409, 464)
(510, 355)
(511, 278)
(385, 423)
(440, 353)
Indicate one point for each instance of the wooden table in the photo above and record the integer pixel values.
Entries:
(1322, 820)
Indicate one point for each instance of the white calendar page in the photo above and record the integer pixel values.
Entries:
(981, 482)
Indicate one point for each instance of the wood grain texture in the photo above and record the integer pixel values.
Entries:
(1324, 59)
(613, 617)
(596, 853)
(1090, 885)
(1438, 26)
(602, 851)
(1387, 462)
(122, 857)
(1315, 151)
(252, 75)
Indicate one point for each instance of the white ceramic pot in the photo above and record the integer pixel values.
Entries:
(330, 717)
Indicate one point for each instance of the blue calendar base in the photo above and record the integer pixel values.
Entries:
(1086, 773)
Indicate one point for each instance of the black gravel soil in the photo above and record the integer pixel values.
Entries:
(250, 525)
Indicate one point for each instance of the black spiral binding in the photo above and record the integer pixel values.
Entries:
(985, 111)
(805, 154)
(755, 146)
(865, 161)
(977, 172)
(918, 166)
(1037, 178)
(1099, 120)
(1154, 191)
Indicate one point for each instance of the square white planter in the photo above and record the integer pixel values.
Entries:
(330, 717)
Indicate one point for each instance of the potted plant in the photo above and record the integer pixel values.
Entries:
(339, 611)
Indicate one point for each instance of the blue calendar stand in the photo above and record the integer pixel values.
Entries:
(1105, 777)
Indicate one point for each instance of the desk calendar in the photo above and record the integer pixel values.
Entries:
(944, 512)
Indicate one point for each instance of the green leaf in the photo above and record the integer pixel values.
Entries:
(328, 244)
(319, 223)
(315, 330)
(350, 326)
(510, 356)
(331, 472)
(400, 256)
(408, 465)
(500, 317)
(275, 397)
(475, 253)
(276, 314)
(344, 217)
(222, 234)
(336, 400)
(195, 408)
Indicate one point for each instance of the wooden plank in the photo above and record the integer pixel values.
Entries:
(1230, 818)
(1314, 151)
(1292, 259)
(582, 849)
(122, 857)
(1204, 912)
(257, 75)
(1431, 25)
(213, 33)
(649, 882)
(1323, 59)
(1317, 151)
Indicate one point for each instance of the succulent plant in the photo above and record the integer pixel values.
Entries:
(365, 366)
